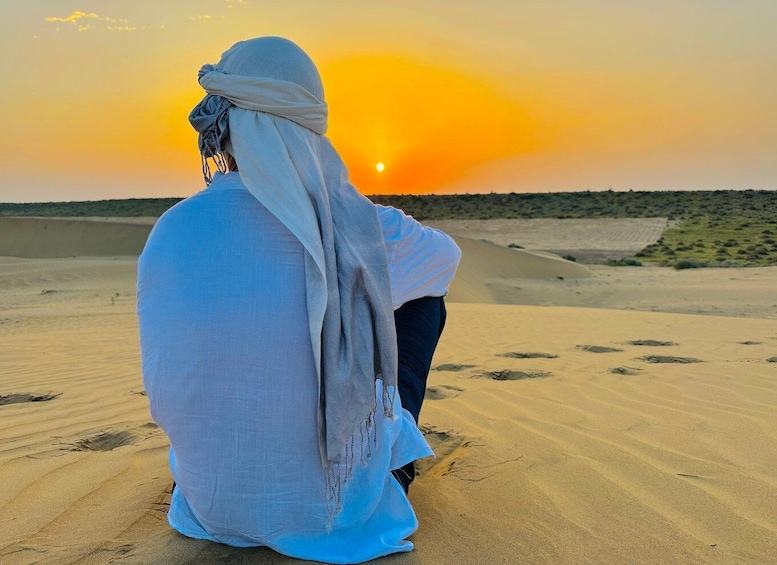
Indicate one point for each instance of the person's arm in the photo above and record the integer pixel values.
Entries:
(421, 260)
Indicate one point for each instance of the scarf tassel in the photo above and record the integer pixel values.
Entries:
(221, 165)
(339, 472)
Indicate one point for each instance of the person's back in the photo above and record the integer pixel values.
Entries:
(228, 291)
(229, 372)
(225, 279)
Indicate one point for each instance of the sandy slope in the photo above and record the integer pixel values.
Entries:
(570, 456)
(590, 240)
(60, 237)
(491, 274)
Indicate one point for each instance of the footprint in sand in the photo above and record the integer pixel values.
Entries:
(441, 392)
(508, 375)
(20, 397)
(625, 370)
(445, 444)
(670, 359)
(104, 441)
(651, 342)
(598, 349)
(451, 367)
(519, 355)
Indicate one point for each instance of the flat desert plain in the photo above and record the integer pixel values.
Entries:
(580, 414)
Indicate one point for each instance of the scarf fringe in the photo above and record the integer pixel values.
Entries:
(388, 400)
(221, 165)
(339, 472)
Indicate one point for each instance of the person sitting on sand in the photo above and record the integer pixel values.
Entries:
(287, 326)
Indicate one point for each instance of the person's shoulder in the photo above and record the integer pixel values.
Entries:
(390, 213)
(393, 221)
(178, 223)
(208, 198)
(181, 209)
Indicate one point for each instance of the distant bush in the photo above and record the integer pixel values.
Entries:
(628, 262)
(728, 263)
(515, 246)
(687, 264)
(569, 258)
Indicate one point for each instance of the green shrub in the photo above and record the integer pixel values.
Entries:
(687, 264)
(627, 262)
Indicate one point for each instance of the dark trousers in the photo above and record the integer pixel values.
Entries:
(419, 326)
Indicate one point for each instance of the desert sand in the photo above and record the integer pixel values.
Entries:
(579, 413)
(590, 240)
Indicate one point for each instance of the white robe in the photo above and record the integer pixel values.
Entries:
(229, 372)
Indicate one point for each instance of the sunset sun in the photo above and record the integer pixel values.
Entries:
(379, 167)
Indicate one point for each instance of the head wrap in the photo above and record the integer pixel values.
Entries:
(265, 106)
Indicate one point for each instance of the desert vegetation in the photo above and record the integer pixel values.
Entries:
(724, 228)
(753, 204)
(716, 242)
(677, 205)
(126, 208)
(627, 262)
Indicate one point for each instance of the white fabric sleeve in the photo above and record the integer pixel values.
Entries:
(421, 260)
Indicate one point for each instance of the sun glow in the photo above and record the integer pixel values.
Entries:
(375, 111)
(379, 167)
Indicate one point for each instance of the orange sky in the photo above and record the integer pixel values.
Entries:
(451, 96)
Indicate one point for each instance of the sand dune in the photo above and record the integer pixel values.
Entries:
(54, 237)
(608, 458)
(563, 434)
(590, 240)
(487, 272)
(484, 276)
(491, 274)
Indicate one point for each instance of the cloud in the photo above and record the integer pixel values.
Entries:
(78, 19)
(202, 18)
(73, 17)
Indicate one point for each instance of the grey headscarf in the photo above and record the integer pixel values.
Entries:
(265, 105)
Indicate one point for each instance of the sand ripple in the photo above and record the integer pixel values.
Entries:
(611, 459)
